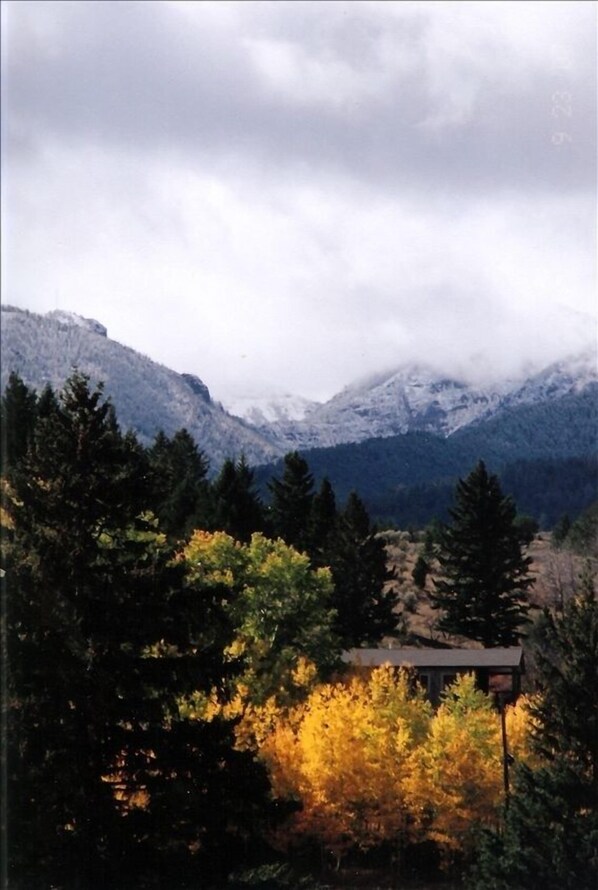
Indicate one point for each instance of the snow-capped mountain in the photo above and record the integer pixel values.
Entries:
(416, 397)
(147, 396)
(262, 411)
(569, 375)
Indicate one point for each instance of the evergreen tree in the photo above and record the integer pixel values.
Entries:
(420, 572)
(484, 571)
(357, 557)
(181, 491)
(561, 530)
(18, 409)
(236, 506)
(324, 520)
(566, 712)
(107, 785)
(550, 836)
(291, 505)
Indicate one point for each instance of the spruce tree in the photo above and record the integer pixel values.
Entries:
(181, 491)
(420, 572)
(18, 410)
(364, 602)
(107, 785)
(236, 506)
(483, 587)
(291, 504)
(323, 523)
(566, 656)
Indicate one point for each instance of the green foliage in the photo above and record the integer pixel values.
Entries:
(561, 530)
(364, 603)
(236, 506)
(346, 542)
(482, 589)
(420, 572)
(180, 488)
(109, 787)
(566, 653)
(549, 839)
(582, 537)
(279, 607)
(527, 527)
(550, 835)
(291, 503)
(18, 411)
(324, 523)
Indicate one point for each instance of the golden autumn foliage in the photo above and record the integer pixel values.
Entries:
(346, 755)
(369, 761)
(520, 721)
(457, 779)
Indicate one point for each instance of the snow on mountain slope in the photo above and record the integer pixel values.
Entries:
(147, 396)
(261, 410)
(416, 397)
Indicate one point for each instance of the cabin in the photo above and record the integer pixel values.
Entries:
(497, 671)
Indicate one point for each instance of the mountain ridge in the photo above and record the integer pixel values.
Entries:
(147, 396)
(416, 398)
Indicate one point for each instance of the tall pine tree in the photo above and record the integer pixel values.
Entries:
(18, 411)
(291, 505)
(107, 785)
(236, 506)
(483, 587)
(323, 523)
(364, 602)
(181, 491)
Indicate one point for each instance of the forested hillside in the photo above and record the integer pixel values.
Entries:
(545, 454)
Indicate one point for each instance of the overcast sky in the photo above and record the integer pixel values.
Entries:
(292, 195)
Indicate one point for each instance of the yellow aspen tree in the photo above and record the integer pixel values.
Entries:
(519, 724)
(458, 781)
(346, 755)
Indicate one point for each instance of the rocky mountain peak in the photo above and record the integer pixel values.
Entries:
(71, 319)
(197, 386)
(420, 398)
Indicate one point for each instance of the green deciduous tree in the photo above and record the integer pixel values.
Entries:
(483, 586)
(278, 604)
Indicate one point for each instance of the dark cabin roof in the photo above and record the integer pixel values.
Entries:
(437, 658)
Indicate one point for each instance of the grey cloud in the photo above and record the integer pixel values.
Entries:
(141, 78)
(301, 192)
